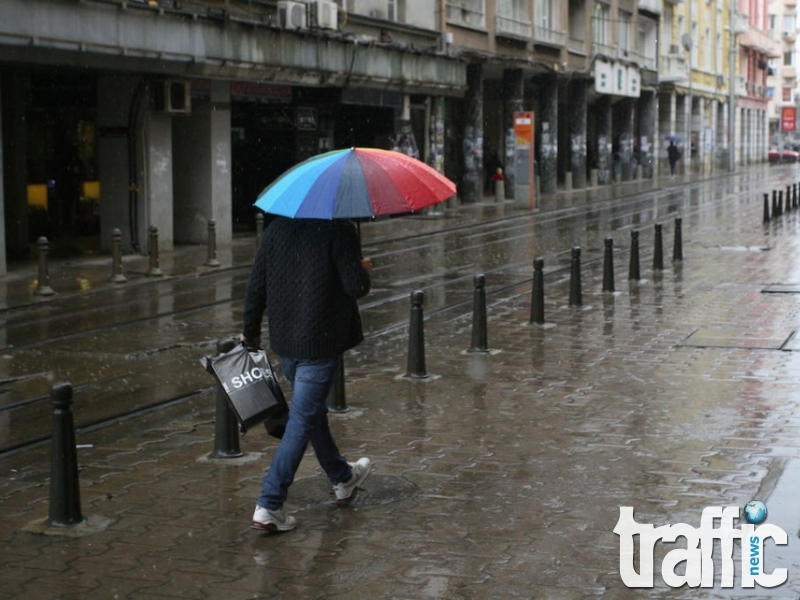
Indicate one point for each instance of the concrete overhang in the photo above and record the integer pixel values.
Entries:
(108, 36)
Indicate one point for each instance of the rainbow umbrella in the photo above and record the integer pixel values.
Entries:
(357, 183)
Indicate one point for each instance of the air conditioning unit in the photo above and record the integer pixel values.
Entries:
(673, 49)
(326, 14)
(292, 15)
(173, 96)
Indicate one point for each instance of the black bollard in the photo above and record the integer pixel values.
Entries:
(658, 250)
(479, 335)
(794, 196)
(43, 285)
(152, 250)
(65, 493)
(212, 244)
(259, 229)
(416, 338)
(677, 243)
(116, 257)
(537, 297)
(788, 198)
(774, 203)
(608, 266)
(226, 427)
(633, 268)
(766, 208)
(575, 294)
(780, 202)
(336, 397)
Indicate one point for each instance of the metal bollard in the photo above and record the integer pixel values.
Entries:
(479, 335)
(677, 243)
(774, 203)
(259, 229)
(780, 202)
(766, 208)
(537, 296)
(794, 196)
(608, 266)
(336, 397)
(633, 267)
(500, 191)
(575, 293)
(226, 426)
(416, 338)
(658, 250)
(43, 285)
(117, 275)
(212, 244)
(65, 493)
(788, 198)
(152, 250)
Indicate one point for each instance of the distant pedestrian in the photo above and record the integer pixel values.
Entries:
(673, 154)
(307, 275)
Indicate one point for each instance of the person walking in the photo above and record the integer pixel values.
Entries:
(307, 276)
(673, 154)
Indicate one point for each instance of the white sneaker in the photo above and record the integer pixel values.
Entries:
(346, 492)
(272, 520)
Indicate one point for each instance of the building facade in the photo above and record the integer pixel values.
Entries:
(127, 114)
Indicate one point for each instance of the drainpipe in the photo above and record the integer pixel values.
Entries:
(731, 90)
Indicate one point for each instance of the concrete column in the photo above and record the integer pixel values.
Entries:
(513, 97)
(202, 182)
(701, 140)
(158, 198)
(648, 119)
(687, 133)
(3, 266)
(473, 135)
(715, 164)
(625, 128)
(577, 125)
(604, 141)
(15, 167)
(548, 144)
(120, 102)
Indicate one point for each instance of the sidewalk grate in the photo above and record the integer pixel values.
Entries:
(728, 337)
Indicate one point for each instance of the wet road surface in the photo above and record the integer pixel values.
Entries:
(500, 476)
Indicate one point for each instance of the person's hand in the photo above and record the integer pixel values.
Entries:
(367, 264)
(250, 343)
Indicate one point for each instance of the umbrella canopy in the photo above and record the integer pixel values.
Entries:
(357, 183)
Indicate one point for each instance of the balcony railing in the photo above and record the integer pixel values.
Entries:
(514, 27)
(576, 46)
(651, 6)
(604, 49)
(673, 68)
(790, 3)
(461, 12)
(550, 37)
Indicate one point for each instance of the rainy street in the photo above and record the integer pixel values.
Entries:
(498, 475)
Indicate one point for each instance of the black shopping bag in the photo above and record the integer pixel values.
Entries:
(251, 388)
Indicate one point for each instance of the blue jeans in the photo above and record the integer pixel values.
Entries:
(308, 422)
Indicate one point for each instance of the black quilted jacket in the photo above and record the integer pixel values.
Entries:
(307, 275)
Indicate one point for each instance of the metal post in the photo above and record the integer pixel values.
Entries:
(658, 250)
(259, 229)
(416, 338)
(43, 285)
(766, 208)
(780, 202)
(774, 203)
(677, 244)
(152, 250)
(116, 257)
(575, 293)
(337, 402)
(226, 426)
(212, 244)
(608, 265)
(65, 494)
(479, 335)
(537, 297)
(633, 267)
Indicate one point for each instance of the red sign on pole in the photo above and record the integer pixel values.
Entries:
(788, 118)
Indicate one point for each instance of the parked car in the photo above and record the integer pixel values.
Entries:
(787, 156)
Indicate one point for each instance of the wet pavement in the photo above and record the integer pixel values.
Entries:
(501, 475)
